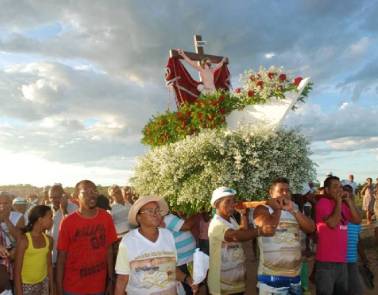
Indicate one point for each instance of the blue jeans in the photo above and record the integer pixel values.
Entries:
(278, 285)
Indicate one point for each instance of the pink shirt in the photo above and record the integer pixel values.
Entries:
(332, 242)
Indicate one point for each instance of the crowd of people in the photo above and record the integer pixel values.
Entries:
(86, 243)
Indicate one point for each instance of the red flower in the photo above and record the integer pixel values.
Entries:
(222, 111)
(221, 98)
(179, 115)
(251, 93)
(271, 75)
(297, 80)
(237, 90)
(200, 115)
(282, 77)
(260, 83)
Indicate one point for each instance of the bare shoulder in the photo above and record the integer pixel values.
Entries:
(260, 210)
(22, 242)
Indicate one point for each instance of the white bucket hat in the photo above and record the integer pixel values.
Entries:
(221, 192)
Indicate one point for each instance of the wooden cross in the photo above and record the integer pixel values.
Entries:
(200, 52)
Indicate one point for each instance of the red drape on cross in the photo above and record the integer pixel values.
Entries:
(185, 87)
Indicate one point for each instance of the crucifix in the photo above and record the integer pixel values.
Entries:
(204, 67)
(200, 52)
(212, 70)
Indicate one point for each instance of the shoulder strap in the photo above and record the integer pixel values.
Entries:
(47, 240)
(30, 242)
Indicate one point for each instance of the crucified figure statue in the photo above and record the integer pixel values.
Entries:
(205, 69)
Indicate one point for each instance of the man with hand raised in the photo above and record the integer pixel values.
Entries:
(280, 254)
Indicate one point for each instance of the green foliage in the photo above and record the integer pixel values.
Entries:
(209, 111)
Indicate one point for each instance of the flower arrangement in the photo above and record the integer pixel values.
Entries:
(186, 172)
(210, 110)
(261, 86)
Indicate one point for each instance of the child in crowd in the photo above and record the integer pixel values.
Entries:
(33, 267)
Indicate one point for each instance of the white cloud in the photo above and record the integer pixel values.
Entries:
(359, 47)
(353, 143)
(349, 120)
(26, 168)
(94, 83)
(269, 55)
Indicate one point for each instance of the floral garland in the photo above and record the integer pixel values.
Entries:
(248, 159)
(210, 111)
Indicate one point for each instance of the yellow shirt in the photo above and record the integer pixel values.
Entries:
(227, 260)
(34, 266)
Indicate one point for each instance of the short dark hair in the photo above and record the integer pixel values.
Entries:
(347, 188)
(279, 180)
(56, 187)
(329, 179)
(85, 181)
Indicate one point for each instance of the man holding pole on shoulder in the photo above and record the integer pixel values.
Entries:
(280, 254)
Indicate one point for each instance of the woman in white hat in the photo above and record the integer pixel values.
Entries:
(146, 261)
(227, 271)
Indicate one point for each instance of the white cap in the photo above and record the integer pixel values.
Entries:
(19, 201)
(305, 189)
(221, 192)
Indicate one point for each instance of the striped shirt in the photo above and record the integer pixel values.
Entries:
(184, 240)
(353, 237)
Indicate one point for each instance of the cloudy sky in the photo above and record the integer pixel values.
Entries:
(79, 79)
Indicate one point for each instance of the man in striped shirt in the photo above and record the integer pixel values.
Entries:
(184, 240)
(354, 248)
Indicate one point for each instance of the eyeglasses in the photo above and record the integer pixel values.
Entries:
(151, 212)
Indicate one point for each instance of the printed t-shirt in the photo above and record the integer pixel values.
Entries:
(353, 237)
(184, 240)
(280, 254)
(227, 260)
(151, 266)
(57, 219)
(120, 215)
(332, 242)
(86, 241)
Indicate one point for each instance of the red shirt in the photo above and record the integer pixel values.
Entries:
(332, 242)
(86, 241)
